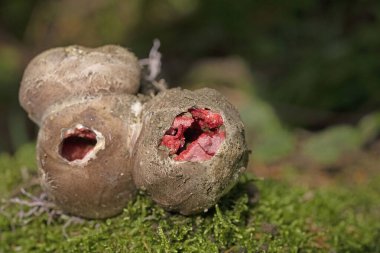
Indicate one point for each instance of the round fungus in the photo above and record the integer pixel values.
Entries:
(84, 155)
(75, 71)
(191, 149)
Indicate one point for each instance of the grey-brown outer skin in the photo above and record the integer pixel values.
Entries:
(102, 186)
(183, 186)
(75, 71)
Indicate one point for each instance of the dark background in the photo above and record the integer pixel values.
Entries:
(316, 64)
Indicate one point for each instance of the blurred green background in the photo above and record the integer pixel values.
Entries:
(305, 75)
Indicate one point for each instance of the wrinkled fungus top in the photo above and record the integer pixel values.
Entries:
(75, 71)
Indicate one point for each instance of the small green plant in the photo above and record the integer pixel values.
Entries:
(272, 218)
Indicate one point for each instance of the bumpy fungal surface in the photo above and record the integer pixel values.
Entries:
(75, 71)
(194, 137)
(191, 149)
(99, 139)
(84, 155)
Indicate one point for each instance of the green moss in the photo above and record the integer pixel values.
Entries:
(332, 144)
(272, 141)
(18, 169)
(285, 219)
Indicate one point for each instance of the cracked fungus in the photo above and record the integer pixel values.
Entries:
(80, 144)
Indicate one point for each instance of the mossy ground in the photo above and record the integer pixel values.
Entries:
(257, 216)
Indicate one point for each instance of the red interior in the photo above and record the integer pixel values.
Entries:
(77, 144)
(194, 136)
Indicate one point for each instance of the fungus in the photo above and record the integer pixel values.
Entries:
(98, 139)
(80, 98)
(84, 155)
(58, 74)
(191, 149)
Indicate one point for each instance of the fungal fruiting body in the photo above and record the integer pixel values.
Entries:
(191, 149)
(57, 74)
(83, 100)
(84, 152)
(99, 140)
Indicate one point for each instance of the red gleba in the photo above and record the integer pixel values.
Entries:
(194, 136)
(77, 143)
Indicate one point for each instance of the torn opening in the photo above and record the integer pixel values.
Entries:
(77, 143)
(195, 135)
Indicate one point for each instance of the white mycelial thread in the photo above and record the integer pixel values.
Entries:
(135, 125)
(136, 108)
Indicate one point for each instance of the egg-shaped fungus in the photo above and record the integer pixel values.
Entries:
(191, 149)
